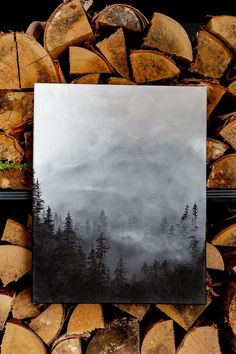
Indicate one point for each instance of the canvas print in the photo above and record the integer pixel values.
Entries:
(119, 194)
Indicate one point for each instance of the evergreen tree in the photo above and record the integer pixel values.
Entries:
(88, 229)
(48, 222)
(103, 222)
(120, 279)
(68, 224)
(38, 202)
(101, 257)
(92, 272)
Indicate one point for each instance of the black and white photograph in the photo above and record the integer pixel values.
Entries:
(119, 194)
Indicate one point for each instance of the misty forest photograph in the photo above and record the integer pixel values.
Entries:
(119, 194)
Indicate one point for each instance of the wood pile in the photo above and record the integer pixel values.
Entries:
(117, 45)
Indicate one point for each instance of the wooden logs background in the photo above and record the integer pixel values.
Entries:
(117, 45)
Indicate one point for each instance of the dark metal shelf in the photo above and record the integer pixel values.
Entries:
(15, 195)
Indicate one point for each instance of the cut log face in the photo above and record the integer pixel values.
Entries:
(184, 315)
(114, 50)
(229, 133)
(120, 336)
(214, 259)
(36, 28)
(215, 149)
(168, 36)
(22, 306)
(5, 307)
(67, 344)
(224, 27)
(199, 340)
(121, 15)
(232, 314)
(148, 66)
(16, 179)
(84, 61)
(159, 339)
(17, 234)
(119, 81)
(212, 58)
(10, 149)
(35, 65)
(136, 310)
(85, 318)
(67, 26)
(16, 109)
(226, 237)
(49, 323)
(223, 174)
(87, 79)
(9, 78)
(21, 340)
(232, 88)
(15, 262)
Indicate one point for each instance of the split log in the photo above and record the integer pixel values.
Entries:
(230, 305)
(184, 315)
(212, 58)
(159, 339)
(136, 310)
(9, 78)
(87, 79)
(149, 66)
(168, 36)
(15, 177)
(214, 259)
(10, 149)
(119, 81)
(226, 237)
(49, 323)
(29, 146)
(114, 50)
(15, 262)
(227, 116)
(232, 89)
(17, 234)
(21, 340)
(229, 133)
(6, 299)
(224, 27)
(85, 318)
(84, 61)
(60, 76)
(215, 149)
(67, 344)
(16, 109)
(121, 336)
(22, 306)
(67, 26)
(200, 340)
(121, 15)
(223, 174)
(229, 257)
(36, 28)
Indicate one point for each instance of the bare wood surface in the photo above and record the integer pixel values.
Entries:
(136, 310)
(228, 133)
(226, 237)
(224, 27)
(22, 306)
(9, 78)
(10, 149)
(16, 179)
(6, 299)
(17, 234)
(214, 259)
(67, 344)
(85, 318)
(223, 174)
(87, 79)
(215, 149)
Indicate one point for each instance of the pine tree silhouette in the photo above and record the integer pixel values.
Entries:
(38, 201)
(120, 280)
(48, 222)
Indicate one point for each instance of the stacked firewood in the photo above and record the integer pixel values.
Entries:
(118, 46)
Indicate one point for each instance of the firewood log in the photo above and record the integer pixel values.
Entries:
(19, 339)
(148, 66)
(214, 259)
(29, 146)
(229, 257)
(232, 314)
(10, 149)
(159, 339)
(184, 315)
(223, 174)
(84, 61)
(20, 178)
(67, 26)
(228, 133)
(87, 79)
(59, 72)
(85, 318)
(136, 310)
(114, 50)
(120, 336)
(232, 89)
(22, 306)
(9, 78)
(6, 299)
(121, 15)
(16, 109)
(36, 28)
(215, 149)
(224, 27)
(226, 237)
(119, 81)
(49, 323)
(212, 58)
(168, 36)
(17, 234)
(15, 262)
(67, 344)
(200, 340)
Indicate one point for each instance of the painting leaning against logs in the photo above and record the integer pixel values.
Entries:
(117, 45)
